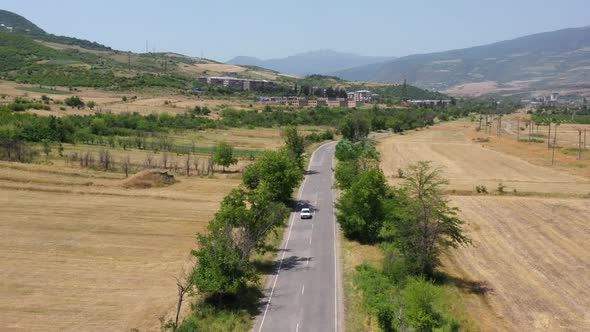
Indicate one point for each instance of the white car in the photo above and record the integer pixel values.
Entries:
(305, 213)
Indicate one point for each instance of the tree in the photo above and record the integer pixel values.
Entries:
(404, 96)
(218, 270)
(239, 228)
(419, 299)
(91, 104)
(125, 163)
(295, 144)
(420, 223)
(355, 127)
(224, 155)
(361, 209)
(276, 172)
(46, 148)
(346, 174)
(74, 102)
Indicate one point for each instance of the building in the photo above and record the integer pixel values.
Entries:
(337, 102)
(362, 95)
(430, 102)
(237, 83)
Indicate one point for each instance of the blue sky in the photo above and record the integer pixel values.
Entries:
(222, 29)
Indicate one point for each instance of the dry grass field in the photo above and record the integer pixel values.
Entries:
(145, 102)
(80, 252)
(467, 164)
(530, 259)
(529, 264)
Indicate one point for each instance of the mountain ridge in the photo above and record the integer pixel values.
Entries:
(313, 62)
(543, 58)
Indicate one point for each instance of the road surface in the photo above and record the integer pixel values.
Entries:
(304, 293)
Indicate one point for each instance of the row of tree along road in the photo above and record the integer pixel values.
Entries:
(224, 276)
(412, 224)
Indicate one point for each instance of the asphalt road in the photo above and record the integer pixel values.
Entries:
(305, 291)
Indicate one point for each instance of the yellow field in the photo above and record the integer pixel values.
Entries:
(532, 260)
(79, 252)
(467, 164)
(145, 102)
(529, 264)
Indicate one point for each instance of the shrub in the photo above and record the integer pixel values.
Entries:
(74, 102)
(501, 188)
(420, 297)
(481, 189)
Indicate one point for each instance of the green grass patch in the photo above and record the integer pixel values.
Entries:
(43, 90)
(539, 135)
(62, 62)
(573, 151)
(532, 140)
(562, 118)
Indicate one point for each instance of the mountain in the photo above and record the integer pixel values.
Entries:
(550, 60)
(316, 62)
(11, 22)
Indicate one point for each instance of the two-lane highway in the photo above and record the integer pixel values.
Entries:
(304, 294)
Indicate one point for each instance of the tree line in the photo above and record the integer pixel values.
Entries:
(224, 271)
(412, 223)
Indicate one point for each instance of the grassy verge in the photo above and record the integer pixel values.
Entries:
(362, 288)
(357, 318)
(43, 90)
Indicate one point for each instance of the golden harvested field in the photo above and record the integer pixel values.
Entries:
(80, 252)
(532, 260)
(467, 164)
(529, 264)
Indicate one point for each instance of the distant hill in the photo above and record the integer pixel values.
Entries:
(11, 22)
(316, 62)
(550, 60)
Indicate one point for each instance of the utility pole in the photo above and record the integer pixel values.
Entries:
(584, 139)
(549, 137)
(518, 129)
(554, 144)
(480, 119)
(579, 144)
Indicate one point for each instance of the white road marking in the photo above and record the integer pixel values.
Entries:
(335, 278)
(302, 289)
(297, 329)
(277, 276)
(287, 242)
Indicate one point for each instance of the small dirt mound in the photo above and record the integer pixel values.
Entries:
(149, 178)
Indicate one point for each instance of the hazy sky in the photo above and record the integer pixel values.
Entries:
(222, 29)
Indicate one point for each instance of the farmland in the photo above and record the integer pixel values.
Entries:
(82, 248)
(528, 265)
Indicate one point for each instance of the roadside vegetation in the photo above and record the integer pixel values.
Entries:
(225, 280)
(411, 224)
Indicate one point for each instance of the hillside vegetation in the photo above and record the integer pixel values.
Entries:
(21, 25)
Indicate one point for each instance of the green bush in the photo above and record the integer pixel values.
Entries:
(481, 189)
(420, 298)
(74, 102)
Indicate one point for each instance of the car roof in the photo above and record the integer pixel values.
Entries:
(305, 209)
